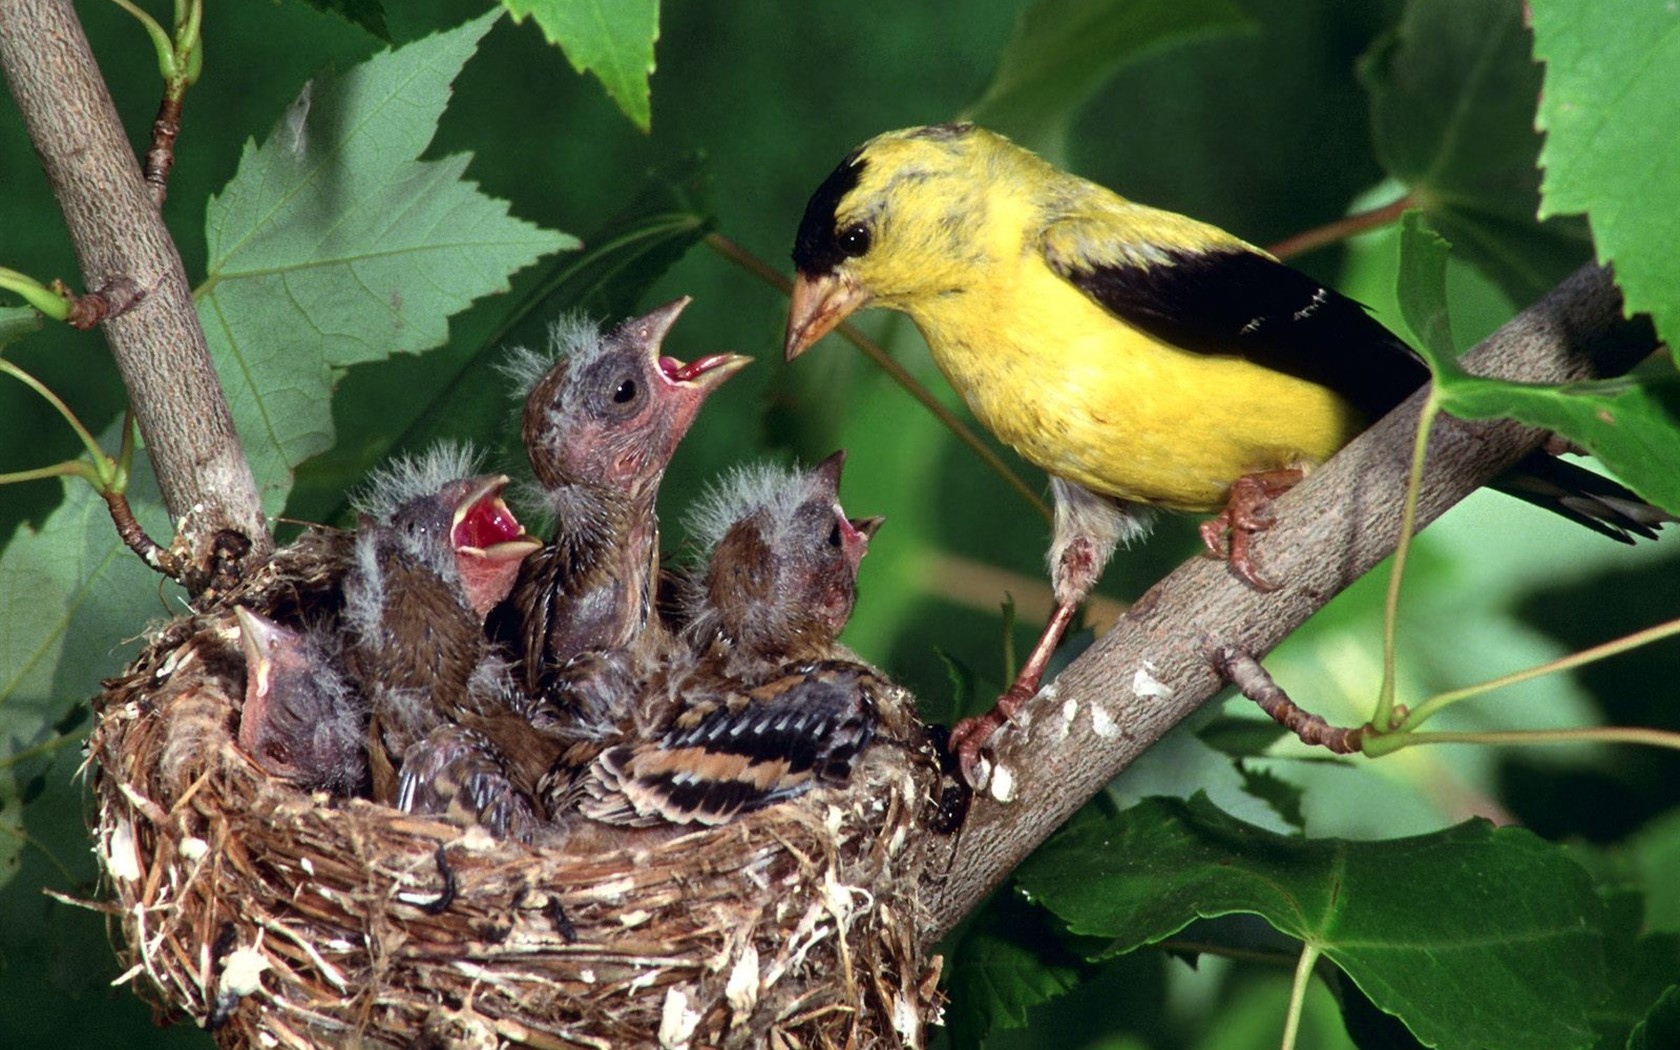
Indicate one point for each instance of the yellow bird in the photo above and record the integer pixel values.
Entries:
(1143, 359)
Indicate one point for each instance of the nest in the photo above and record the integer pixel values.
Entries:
(280, 919)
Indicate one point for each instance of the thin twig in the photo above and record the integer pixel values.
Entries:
(160, 155)
(134, 536)
(1342, 229)
(895, 371)
(117, 231)
(1256, 683)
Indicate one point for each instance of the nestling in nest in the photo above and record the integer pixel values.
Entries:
(604, 827)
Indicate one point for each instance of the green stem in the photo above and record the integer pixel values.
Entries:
(125, 452)
(189, 20)
(1382, 719)
(1382, 745)
(35, 293)
(1298, 993)
(758, 268)
(45, 747)
(161, 41)
(1424, 711)
(101, 461)
(80, 468)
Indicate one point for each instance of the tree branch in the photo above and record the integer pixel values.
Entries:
(1151, 670)
(119, 235)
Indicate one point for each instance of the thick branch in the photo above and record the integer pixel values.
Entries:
(1150, 671)
(119, 234)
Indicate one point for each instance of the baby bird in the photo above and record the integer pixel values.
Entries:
(740, 749)
(780, 578)
(1141, 358)
(435, 551)
(765, 707)
(301, 720)
(602, 417)
(463, 772)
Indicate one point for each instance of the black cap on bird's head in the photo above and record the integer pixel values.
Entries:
(611, 409)
(835, 230)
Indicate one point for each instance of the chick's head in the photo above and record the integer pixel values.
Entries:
(606, 411)
(781, 578)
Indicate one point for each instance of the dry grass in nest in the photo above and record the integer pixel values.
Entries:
(284, 920)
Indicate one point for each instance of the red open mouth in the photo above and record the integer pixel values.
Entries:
(677, 372)
(485, 525)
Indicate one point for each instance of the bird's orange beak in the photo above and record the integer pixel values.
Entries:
(820, 303)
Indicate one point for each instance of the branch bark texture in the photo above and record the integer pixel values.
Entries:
(1154, 668)
(119, 234)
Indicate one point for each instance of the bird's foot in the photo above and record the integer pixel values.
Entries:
(971, 736)
(1247, 513)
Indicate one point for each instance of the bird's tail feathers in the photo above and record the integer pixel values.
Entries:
(1587, 498)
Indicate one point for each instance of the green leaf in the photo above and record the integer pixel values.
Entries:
(1627, 422)
(369, 14)
(1612, 139)
(1642, 968)
(1276, 792)
(70, 595)
(611, 38)
(1064, 50)
(1422, 287)
(333, 245)
(1660, 1030)
(1007, 961)
(1241, 737)
(17, 322)
(1453, 93)
(458, 393)
(1473, 936)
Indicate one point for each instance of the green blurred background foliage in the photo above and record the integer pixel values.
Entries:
(1265, 116)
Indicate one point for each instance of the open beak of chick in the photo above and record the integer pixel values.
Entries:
(820, 303)
(699, 377)
(488, 541)
(853, 534)
(695, 379)
(274, 662)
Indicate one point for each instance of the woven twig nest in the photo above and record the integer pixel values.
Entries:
(280, 919)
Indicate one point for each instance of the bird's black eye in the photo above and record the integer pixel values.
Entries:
(854, 239)
(834, 535)
(625, 393)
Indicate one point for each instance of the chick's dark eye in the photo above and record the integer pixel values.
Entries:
(625, 393)
(834, 535)
(854, 239)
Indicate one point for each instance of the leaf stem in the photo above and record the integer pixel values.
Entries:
(1527, 737)
(35, 293)
(1342, 229)
(161, 41)
(1424, 711)
(1298, 993)
(897, 372)
(102, 462)
(1382, 718)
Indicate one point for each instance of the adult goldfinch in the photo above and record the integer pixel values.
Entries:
(1141, 358)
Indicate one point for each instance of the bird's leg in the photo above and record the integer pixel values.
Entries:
(1088, 528)
(971, 735)
(1247, 512)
